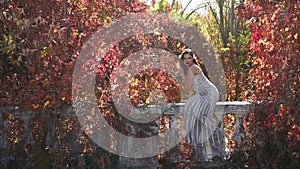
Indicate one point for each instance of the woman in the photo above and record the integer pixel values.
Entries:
(202, 134)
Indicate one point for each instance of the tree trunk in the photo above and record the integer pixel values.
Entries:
(222, 24)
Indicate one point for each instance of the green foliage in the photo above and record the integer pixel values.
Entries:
(161, 6)
(230, 37)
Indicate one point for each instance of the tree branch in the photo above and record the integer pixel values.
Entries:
(185, 8)
(213, 13)
(194, 11)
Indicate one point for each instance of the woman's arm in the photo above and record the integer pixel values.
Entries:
(190, 83)
(194, 70)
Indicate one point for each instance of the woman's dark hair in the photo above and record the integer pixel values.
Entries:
(190, 52)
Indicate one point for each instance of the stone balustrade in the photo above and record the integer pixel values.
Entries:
(175, 111)
(172, 110)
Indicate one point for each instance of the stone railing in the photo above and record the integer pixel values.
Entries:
(175, 111)
(172, 110)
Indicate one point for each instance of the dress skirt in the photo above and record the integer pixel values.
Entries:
(202, 134)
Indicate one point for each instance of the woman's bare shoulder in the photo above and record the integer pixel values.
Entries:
(195, 69)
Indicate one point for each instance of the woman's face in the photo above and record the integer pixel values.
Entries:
(188, 59)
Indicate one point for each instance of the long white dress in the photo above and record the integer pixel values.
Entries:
(202, 133)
